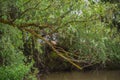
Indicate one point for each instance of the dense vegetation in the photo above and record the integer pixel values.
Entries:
(49, 35)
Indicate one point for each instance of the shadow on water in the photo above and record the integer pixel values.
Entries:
(90, 75)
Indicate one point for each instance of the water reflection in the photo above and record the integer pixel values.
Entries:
(91, 75)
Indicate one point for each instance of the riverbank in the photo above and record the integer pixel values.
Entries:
(59, 65)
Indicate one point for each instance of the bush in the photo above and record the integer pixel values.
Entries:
(12, 66)
(14, 72)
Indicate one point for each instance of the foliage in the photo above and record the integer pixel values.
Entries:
(14, 72)
(12, 64)
(10, 44)
(86, 32)
(91, 38)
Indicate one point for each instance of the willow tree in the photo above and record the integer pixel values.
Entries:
(82, 27)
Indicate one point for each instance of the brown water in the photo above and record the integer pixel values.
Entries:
(91, 75)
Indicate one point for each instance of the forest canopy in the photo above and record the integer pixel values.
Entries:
(40, 35)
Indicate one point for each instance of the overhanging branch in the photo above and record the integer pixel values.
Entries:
(54, 49)
(23, 27)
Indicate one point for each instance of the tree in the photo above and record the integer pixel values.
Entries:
(83, 28)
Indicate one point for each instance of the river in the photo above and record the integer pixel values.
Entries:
(84, 75)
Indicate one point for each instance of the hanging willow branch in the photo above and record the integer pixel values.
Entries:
(39, 36)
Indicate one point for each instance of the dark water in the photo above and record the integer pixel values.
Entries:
(91, 75)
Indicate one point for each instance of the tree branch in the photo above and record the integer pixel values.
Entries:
(6, 22)
(39, 36)
(51, 45)
(25, 24)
